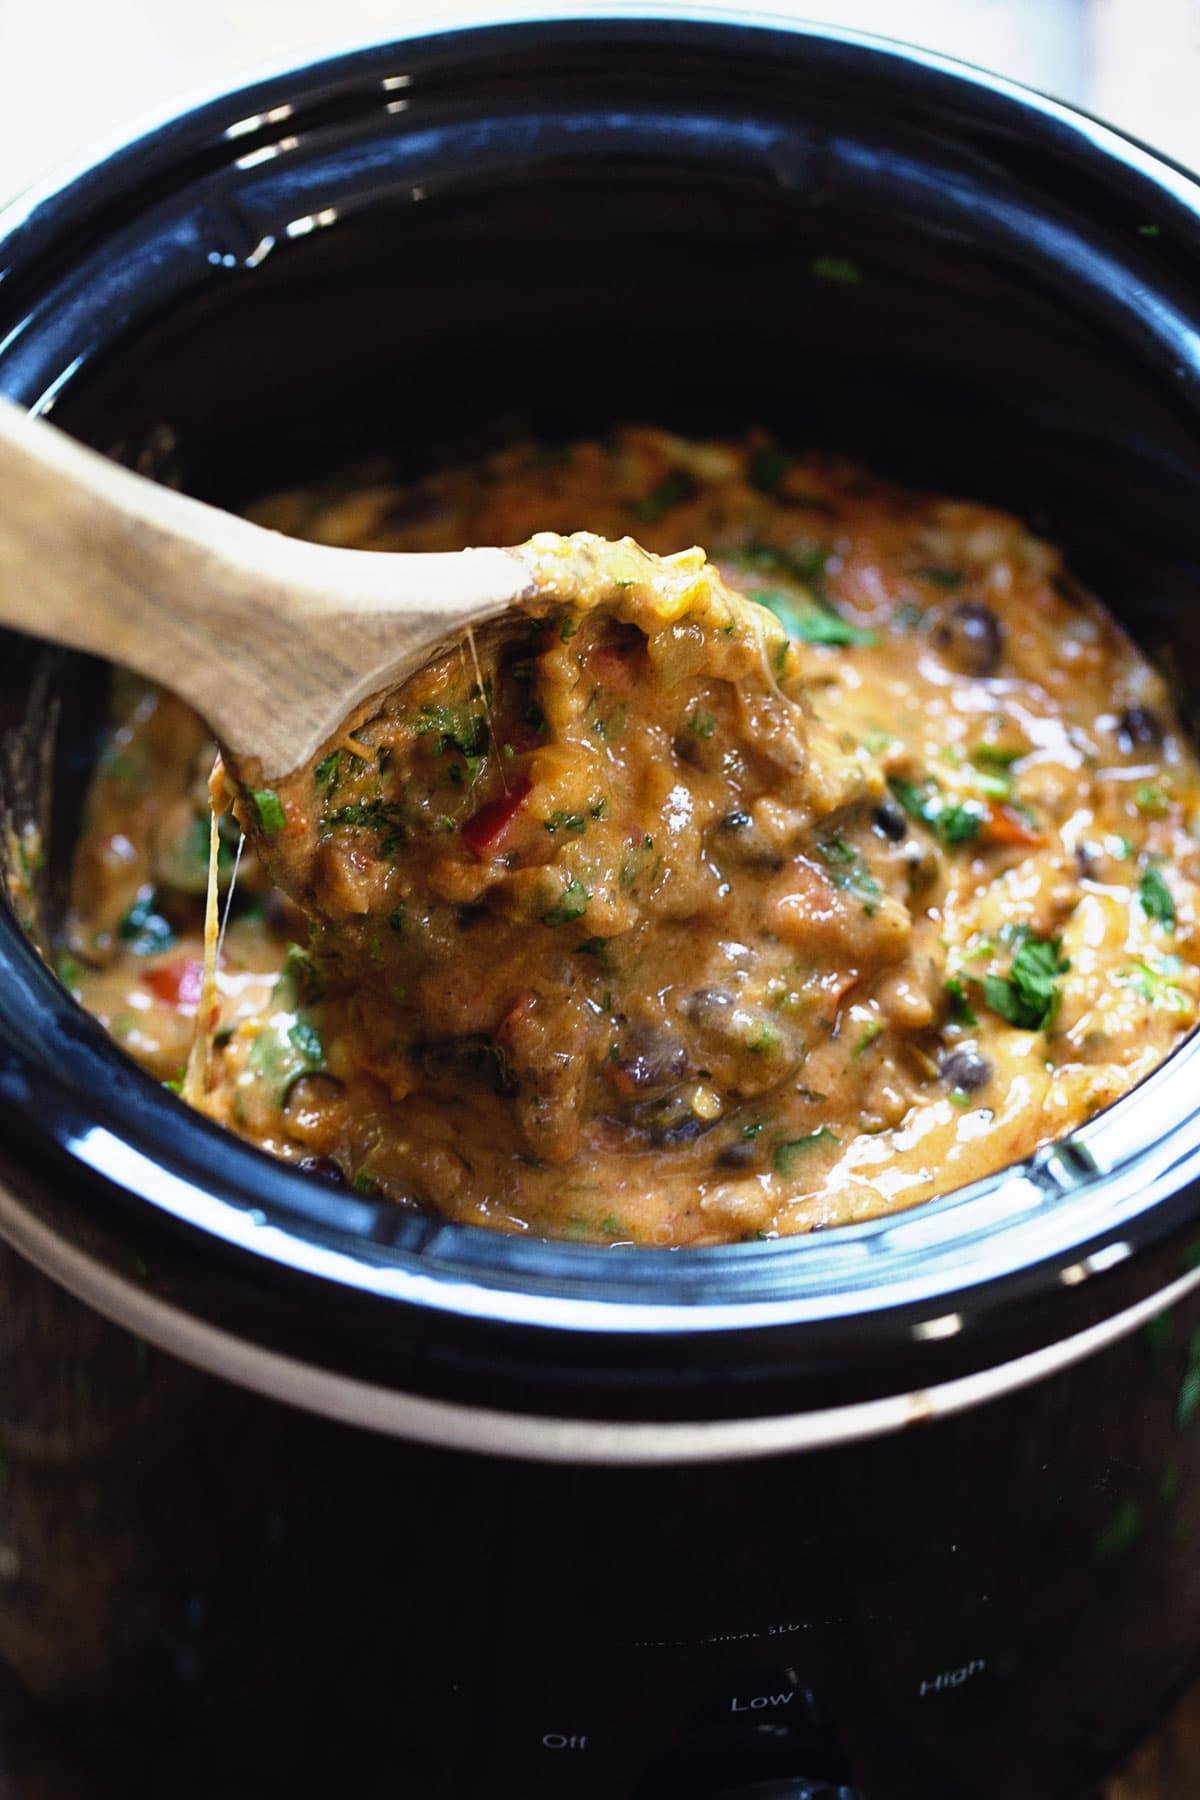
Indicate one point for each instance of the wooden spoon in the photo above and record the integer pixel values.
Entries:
(273, 641)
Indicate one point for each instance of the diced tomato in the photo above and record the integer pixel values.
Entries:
(1006, 826)
(486, 829)
(178, 982)
(613, 668)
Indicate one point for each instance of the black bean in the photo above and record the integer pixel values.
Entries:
(890, 822)
(971, 637)
(1139, 728)
(1086, 865)
(966, 1069)
(709, 1006)
(684, 1132)
(324, 1168)
(738, 1155)
(650, 1057)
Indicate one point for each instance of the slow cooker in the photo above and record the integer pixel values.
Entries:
(302, 1494)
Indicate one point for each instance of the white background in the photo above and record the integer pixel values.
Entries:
(73, 72)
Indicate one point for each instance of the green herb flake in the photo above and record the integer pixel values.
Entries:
(1150, 231)
(569, 823)
(1150, 799)
(599, 809)
(804, 563)
(1028, 997)
(788, 1154)
(386, 820)
(143, 928)
(959, 1005)
(671, 491)
(767, 467)
(1154, 897)
(1154, 982)
(69, 972)
(572, 904)
(325, 773)
(870, 1031)
(702, 724)
(597, 947)
(752, 1130)
(267, 805)
(362, 1183)
(996, 756)
(811, 623)
(837, 268)
(849, 872)
(612, 1225)
(953, 821)
(567, 629)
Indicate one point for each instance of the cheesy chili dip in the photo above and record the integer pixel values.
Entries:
(721, 897)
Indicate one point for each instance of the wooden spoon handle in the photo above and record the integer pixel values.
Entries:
(273, 641)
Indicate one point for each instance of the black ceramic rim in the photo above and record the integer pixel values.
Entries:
(1091, 1227)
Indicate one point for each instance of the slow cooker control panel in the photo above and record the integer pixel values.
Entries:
(758, 1731)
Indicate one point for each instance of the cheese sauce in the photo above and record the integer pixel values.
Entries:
(721, 899)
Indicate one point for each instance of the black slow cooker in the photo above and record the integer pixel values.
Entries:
(301, 1494)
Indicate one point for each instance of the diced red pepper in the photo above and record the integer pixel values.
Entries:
(486, 829)
(179, 983)
(1006, 826)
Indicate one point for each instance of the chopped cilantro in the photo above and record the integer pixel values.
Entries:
(572, 904)
(848, 871)
(325, 773)
(953, 821)
(1150, 799)
(566, 822)
(960, 1006)
(1154, 897)
(144, 929)
(787, 1154)
(568, 628)
(398, 917)
(1029, 995)
(702, 724)
(996, 756)
(870, 1031)
(599, 808)
(1154, 982)
(805, 564)
(457, 726)
(270, 812)
(671, 491)
(373, 815)
(811, 623)
(362, 1183)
